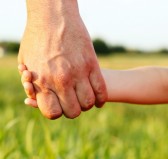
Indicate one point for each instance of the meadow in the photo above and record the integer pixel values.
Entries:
(116, 131)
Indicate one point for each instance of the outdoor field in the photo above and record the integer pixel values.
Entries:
(117, 131)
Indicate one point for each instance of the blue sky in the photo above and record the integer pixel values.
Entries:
(134, 23)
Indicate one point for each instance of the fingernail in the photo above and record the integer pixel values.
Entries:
(26, 101)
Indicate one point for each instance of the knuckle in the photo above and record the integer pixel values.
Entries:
(62, 80)
(86, 65)
(99, 105)
(53, 115)
(100, 101)
(63, 77)
(41, 82)
(74, 114)
(100, 89)
(101, 97)
(89, 102)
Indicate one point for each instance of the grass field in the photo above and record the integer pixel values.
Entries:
(117, 131)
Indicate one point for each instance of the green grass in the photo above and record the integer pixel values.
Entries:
(117, 131)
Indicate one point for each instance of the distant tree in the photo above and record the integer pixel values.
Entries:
(101, 47)
(118, 49)
(164, 51)
(12, 47)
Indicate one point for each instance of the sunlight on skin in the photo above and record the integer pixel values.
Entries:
(119, 88)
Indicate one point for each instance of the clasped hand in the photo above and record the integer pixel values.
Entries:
(65, 72)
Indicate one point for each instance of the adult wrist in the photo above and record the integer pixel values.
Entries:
(47, 12)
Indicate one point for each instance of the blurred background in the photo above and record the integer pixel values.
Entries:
(125, 34)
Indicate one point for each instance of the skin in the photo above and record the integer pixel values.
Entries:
(145, 85)
(58, 52)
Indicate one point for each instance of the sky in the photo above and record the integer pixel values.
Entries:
(139, 24)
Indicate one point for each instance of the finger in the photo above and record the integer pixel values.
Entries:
(99, 87)
(29, 90)
(48, 104)
(26, 76)
(85, 94)
(31, 102)
(69, 103)
(21, 68)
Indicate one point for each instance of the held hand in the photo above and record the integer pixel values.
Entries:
(65, 72)
(26, 78)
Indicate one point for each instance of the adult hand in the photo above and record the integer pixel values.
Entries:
(58, 51)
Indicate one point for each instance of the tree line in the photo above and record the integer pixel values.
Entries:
(101, 48)
(10, 47)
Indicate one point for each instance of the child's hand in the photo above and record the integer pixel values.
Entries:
(28, 86)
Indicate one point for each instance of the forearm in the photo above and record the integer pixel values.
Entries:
(146, 85)
(47, 12)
